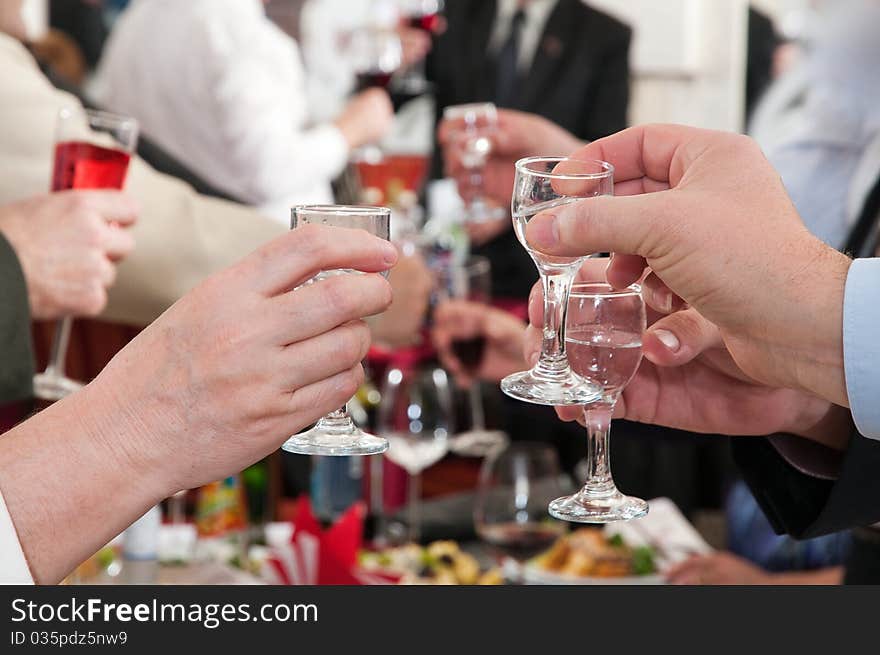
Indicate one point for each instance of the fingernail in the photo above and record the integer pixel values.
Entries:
(668, 339)
(664, 300)
(390, 253)
(543, 233)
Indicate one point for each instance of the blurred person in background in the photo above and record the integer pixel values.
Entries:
(560, 59)
(222, 88)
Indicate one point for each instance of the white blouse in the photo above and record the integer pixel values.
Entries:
(222, 88)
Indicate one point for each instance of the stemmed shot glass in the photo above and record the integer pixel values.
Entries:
(542, 184)
(475, 126)
(336, 433)
(92, 151)
(605, 328)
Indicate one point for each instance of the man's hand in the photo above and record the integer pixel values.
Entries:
(519, 135)
(689, 381)
(366, 118)
(412, 283)
(709, 215)
(68, 244)
(457, 320)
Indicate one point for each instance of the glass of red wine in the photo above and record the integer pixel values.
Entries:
(336, 434)
(92, 151)
(377, 54)
(472, 281)
(474, 126)
(604, 338)
(424, 15)
(510, 513)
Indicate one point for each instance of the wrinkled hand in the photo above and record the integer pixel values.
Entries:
(245, 360)
(519, 135)
(709, 215)
(457, 320)
(689, 381)
(68, 244)
(366, 118)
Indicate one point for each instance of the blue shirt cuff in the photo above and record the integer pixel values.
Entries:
(861, 344)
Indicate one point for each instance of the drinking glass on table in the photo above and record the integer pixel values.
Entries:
(604, 338)
(336, 433)
(475, 125)
(541, 184)
(416, 416)
(92, 151)
(472, 281)
(511, 508)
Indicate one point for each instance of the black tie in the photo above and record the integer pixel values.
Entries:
(508, 56)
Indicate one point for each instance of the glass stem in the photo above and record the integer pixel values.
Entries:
(557, 286)
(478, 416)
(58, 354)
(414, 493)
(337, 418)
(598, 419)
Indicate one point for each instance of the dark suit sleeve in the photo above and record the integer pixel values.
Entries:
(805, 506)
(609, 101)
(16, 357)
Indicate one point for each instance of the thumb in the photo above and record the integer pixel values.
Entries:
(620, 224)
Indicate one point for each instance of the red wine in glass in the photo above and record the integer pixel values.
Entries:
(521, 541)
(470, 352)
(81, 165)
(425, 22)
(369, 79)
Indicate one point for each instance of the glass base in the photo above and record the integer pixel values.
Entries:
(335, 443)
(606, 508)
(48, 386)
(478, 443)
(566, 389)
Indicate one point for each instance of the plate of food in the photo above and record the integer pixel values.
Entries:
(439, 563)
(589, 556)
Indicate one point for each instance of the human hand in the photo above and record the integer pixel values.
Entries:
(709, 215)
(458, 320)
(366, 118)
(245, 360)
(68, 244)
(415, 45)
(717, 569)
(401, 324)
(519, 134)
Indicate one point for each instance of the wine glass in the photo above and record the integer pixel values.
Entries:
(92, 151)
(422, 15)
(605, 328)
(475, 125)
(511, 508)
(472, 281)
(377, 54)
(416, 418)
(336, 433)
(542, 184)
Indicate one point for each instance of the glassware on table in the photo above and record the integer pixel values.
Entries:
(511, 508)
(541, 184)
(376, 55)
(416, 416)
(336, 433)
(92, 151)
(604, 338)
(477, 123)
(472, 281)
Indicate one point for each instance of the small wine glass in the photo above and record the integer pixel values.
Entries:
(376, 55)
(605, 328)
(542, 184)
(92, 151)
(336, 433)
(416, 416)
(510, 513)
(475, 125)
